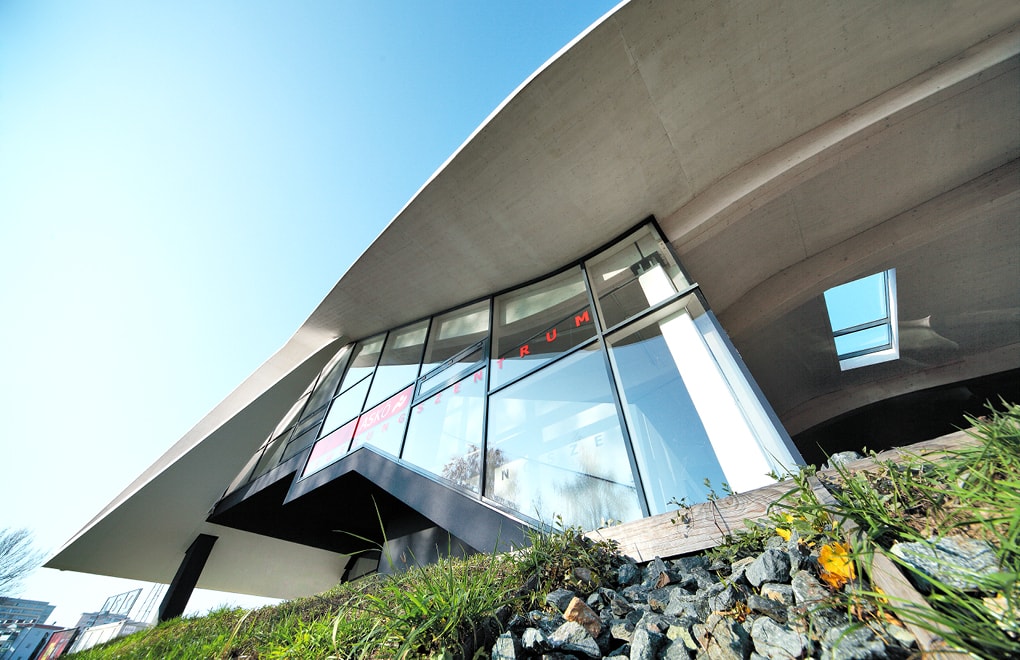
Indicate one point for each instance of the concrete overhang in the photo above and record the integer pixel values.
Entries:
(783, 149)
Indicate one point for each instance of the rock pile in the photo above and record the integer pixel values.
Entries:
(770, 606)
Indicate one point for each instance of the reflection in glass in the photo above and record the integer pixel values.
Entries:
(445, 432)
(451, 371)
(298, 443)
(329, 449)
(863, 340)
(538, 323)
(560, 447)
(363, 362)
(346, 406)
(633, 275)
(454, 331)
(857, 302)
(383, 426)
(328, 379)
(687, 423)
(399, 363)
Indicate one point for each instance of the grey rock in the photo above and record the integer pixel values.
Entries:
(628, 574)
(658, 599)
(507, 647)
(773, 565)
(702, 578)
(726, 640)
(773, 609)
(856, 642)
(738, 568)
(807, 590)
(961, 563)
(635, 593)
(583, 575)
(778, 592)
(544, 621)
(776, 642)
(681, 632)
(684, 565)
(685, 604)
(646, 644)
(902, 636)
(652, 571)
(619, 606)
(559, 598)
(724, 599)
(675, 650)
(623, 629)
(534, 639)
(622, 652)
(841, 458)
(571, 637)
(776, 542)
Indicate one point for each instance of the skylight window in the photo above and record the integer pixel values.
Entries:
(862, 314)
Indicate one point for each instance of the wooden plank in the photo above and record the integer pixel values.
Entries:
(704, 526)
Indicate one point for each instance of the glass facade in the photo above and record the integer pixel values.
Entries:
(597, 394)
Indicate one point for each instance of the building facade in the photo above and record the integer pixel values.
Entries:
(834, 192)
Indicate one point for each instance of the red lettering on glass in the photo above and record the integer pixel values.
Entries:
(582, 318)
(479, 374)
(456, 388)
(525, 350)
(551, 336)
(499, 362)
(438, 398)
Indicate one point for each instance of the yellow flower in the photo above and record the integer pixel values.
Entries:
(785, 533)
(836, 566)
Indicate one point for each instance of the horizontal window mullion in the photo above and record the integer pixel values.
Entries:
(860, 326)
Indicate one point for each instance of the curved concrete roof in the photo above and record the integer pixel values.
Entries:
(783, 149)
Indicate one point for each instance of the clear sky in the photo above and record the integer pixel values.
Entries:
(180, 184)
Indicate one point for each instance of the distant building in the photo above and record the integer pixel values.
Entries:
(19, 610)
(708, 240)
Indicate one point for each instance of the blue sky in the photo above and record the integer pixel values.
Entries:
(180, 184)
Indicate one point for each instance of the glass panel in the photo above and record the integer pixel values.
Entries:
(328, 379)
(330, 449)
(383, 426)
(863, 340)
(291, 415)
(440, 377)
(245, 475)
(555, 446)
(672, 448)
(299, 443)
(633, 275)
(346, 406)
(539, 323)
(363, 363)
(445, 432)
(686, 422)
(271, 457)
(399, 363)
(857, 302)
(454, 331)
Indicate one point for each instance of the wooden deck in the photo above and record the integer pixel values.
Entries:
(706, 525)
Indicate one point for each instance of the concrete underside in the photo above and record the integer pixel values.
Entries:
(784, 149)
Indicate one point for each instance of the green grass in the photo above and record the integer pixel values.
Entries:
(450, 609)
